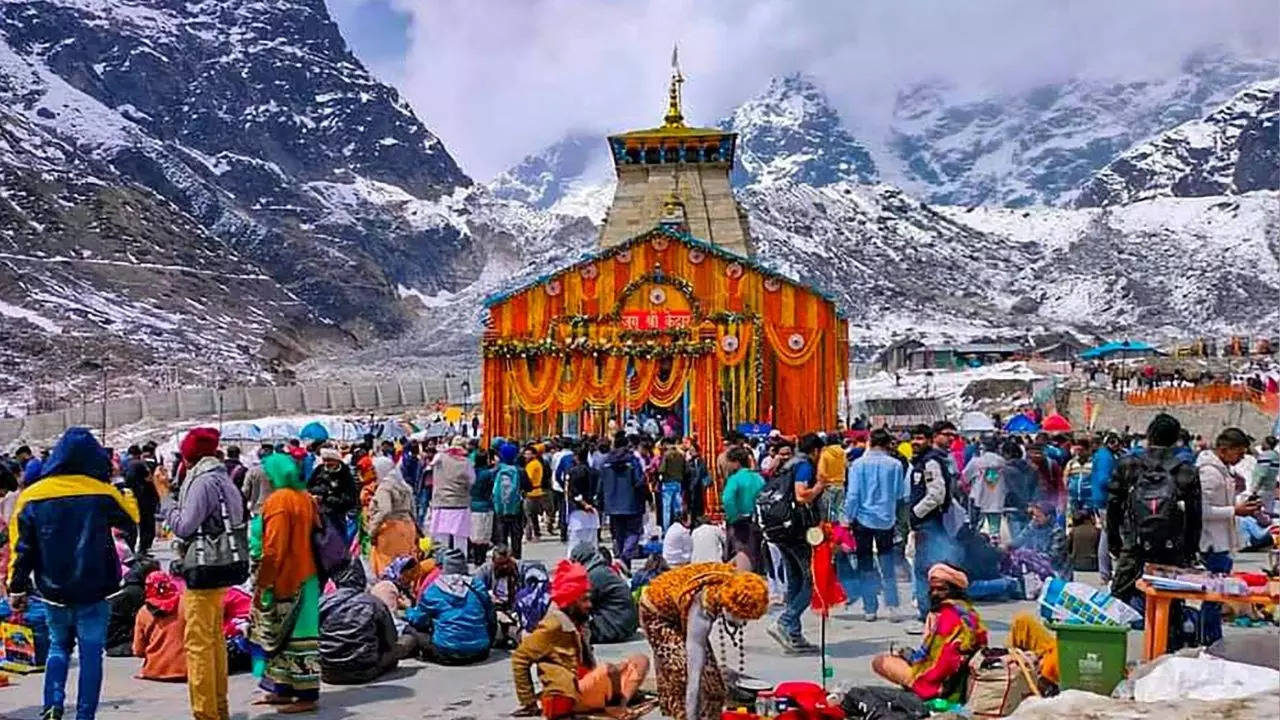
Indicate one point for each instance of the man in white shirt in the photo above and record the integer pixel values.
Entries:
(708, 542)
(677, 545)
(1219, 508)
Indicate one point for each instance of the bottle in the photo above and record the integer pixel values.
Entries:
(766, 706)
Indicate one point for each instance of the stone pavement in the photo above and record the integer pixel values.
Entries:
(484, 692)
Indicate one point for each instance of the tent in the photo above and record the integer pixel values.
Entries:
(1055, 423)
(279, 430)
(241, 431)
(1128, 346)
(1021, 424)
(314, 431)
(976, 423)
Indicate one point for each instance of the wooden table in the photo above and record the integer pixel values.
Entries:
(1155, 636)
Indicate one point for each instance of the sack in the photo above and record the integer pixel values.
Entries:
(328, 547)
(217, 560)
(999, 680)
(1156, 520)
(780, 518)
(506, 491)
(875, 702)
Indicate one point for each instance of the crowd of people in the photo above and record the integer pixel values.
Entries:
(335, 562)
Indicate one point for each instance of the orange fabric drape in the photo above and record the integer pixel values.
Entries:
(572, 386)
(603, 389)
(778, 340)
(744, 333)
(1204, 395)
(639, 385)
(538, 393)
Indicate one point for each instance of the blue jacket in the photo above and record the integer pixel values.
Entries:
(1104, 465)
(458, 613)
(63, 534)
(621, 484)
(875, 485)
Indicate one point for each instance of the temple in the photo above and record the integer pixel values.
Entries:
(672, 324)
(673, 159)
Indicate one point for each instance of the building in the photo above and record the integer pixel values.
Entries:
(671, 321)
(949, 357)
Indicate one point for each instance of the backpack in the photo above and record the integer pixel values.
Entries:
(328, 547)
(780, 518)
(533, 598)
(506, 491)
(1155, 518)
(873, 702)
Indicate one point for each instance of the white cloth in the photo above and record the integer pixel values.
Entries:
(985, 475)
(708, 544)
(677, 546)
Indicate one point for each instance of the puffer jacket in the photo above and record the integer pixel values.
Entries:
(621, 484)
(356, 629)
(614, 617)
(458, 613)
(63, 534)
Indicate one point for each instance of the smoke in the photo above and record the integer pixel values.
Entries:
(498, 79)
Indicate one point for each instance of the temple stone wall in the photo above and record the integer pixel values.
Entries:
(710, 208)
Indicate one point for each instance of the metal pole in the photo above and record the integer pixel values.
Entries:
(104, 402)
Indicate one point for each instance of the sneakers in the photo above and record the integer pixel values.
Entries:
(791, 645)
(51, 713)
(915, 627)
(869, 617)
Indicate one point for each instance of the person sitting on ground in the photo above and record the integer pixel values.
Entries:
(157, 634)
(1082, 542)
(953, 633)
(677, 544)
(456, 615)
(561, 651)
(125, 604)
(501, 576)
(1041, 547)
(358, 637)
(654, 566)
(613, 612)
(708, 542)
(1028, 633)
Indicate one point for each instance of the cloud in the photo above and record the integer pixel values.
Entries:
(497, 79)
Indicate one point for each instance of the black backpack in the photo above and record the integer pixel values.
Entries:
(780, 518)
(1155, 518)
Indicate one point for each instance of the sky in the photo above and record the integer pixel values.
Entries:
(499, 79)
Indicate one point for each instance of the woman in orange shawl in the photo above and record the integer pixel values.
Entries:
(391, 524)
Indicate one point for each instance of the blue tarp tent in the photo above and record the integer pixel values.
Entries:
(314, 431)
(1111, 348)
(1021, 424)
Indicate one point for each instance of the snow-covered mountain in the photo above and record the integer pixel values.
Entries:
(1235, 149)
(1039, 146)
(791, 133)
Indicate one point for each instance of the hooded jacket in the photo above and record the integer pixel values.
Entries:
(392, 498)
(614, 617)
(335, 489)
(458, 613)
(1217, 490)
(63, 533)
(356, 628)
(621, 484)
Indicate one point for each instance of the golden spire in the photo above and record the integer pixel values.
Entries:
(675, 116)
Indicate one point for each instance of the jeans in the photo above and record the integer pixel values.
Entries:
(626, 531)
(672, 504)
(871, 583)
(508, 530)
(1001, 588)
(1017, 523)
(1211, 612)
(206, 653)
(933, 546)
(422, 503)
(799, 588)
(87, 625)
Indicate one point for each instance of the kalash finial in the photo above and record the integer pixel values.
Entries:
(675, 116)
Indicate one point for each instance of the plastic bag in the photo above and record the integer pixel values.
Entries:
(1203, 678)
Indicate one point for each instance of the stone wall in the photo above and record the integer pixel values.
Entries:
(1207, 420)
(237, 403)
(710, 209)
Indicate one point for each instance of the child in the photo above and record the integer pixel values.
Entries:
(1082, 543)
(157, 634)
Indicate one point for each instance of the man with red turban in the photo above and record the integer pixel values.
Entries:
(560, 648)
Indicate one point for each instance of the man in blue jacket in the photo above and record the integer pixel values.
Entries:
(1104, 466)
(622, 488)
(457, 614)
(63, 539)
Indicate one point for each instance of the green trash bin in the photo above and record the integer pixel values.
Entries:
(1092, 657)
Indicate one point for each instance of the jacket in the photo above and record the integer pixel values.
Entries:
(1121, 535)
(930, 486)
(985, 477)
(832, 465)
(200, 500)
(1103, 466)
(256, 488)
(452, 480)
(64, 521)
(875, 487)
(482, 491)
(614, 617)
(336, 489)
(158, 640)
(1217, 492)
(558, 648)
(621, 484)
(459, 614)
(356, 630)
(390, 499)
(739, 495)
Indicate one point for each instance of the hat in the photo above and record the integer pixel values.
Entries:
(949, 575)
(458, 441)
(297, 452)
(508, 453)
(200, 442)
(163, 592)
(569, 583)
(453, 561)
(329, 453)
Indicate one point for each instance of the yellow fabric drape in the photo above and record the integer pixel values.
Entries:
(667, 393)
(572, 386)
(744, 333)
(639, 385)
(535, 394)
(603, 390)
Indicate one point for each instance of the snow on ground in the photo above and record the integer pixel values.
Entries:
(945, 385)
(30, 316)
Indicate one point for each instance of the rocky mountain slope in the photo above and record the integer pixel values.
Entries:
(1234, 149)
